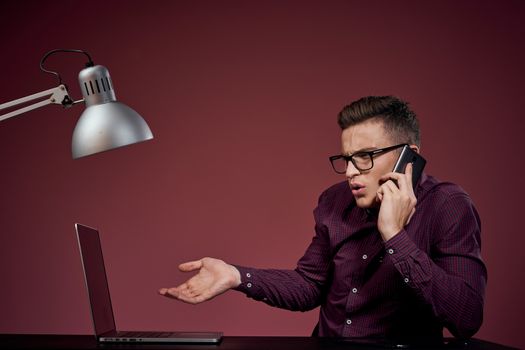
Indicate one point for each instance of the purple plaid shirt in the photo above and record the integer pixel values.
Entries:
(429, 276)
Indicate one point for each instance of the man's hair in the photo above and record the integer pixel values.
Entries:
(398, 119)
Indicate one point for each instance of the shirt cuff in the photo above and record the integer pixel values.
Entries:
(249, 282)
(400, 247)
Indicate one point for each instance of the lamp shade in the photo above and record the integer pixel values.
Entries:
(107, 126)
(106, 123)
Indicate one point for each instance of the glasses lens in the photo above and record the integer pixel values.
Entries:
(339, 165)
(363, 161)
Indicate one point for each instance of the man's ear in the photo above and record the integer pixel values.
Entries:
(414, 148)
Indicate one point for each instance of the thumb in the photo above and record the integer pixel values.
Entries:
(190, 266)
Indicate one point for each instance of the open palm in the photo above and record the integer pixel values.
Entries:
(214, 277)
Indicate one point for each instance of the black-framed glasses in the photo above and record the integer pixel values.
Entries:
(363, 160)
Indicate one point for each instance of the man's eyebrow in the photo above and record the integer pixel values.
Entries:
(366, 149)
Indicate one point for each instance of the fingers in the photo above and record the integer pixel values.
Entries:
(190, 291)
(212, 279)
(400, 192)
(408, 177)
(173, 292)
(190, 266)
(186, 293)
(379, 195)
(385, 190)
(403, 181)
(409, 170)
(169, 293)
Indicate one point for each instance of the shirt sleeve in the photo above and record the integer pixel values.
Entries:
(452, 279)
(297, 290)
(286, 289)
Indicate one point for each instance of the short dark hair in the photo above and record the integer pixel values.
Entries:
(398, 119)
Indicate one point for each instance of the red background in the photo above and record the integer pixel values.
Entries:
(242, 98)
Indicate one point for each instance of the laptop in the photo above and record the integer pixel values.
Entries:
(100, 300)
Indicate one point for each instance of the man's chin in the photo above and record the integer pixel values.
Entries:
(364, 202)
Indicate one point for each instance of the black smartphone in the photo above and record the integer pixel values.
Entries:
(409, 156)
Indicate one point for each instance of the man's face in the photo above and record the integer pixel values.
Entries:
(367, 136)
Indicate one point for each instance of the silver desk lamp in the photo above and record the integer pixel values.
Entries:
(105, 124)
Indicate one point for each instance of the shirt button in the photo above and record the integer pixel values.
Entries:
(406, 280)
(348, 322)
(391, 251)
(365, 256)
(248, 275)
(354, 290)
(249, 285)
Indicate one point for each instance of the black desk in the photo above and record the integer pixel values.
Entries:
(33, 341)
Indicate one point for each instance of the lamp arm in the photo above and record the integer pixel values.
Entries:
(56, 95)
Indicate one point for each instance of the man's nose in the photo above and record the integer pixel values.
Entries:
(351, 170)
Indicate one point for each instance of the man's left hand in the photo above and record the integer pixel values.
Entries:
(398, 202)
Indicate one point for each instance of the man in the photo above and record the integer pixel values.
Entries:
(386, 261)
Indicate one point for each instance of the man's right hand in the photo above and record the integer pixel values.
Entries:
(214, 277)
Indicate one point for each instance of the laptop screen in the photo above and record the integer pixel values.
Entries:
(96, 280)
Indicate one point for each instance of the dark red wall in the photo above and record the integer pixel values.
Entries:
(242, 98)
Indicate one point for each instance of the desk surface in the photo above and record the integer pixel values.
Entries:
(34, 341)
